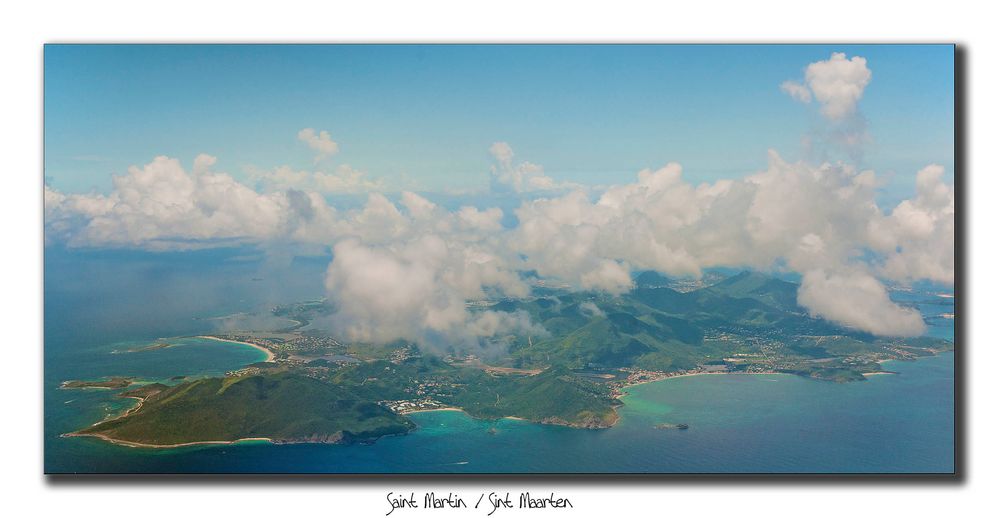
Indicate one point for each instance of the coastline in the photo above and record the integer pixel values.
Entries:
(126, 413)
(617, 417)
(616, 420)
(441, 409)
(774, 373)
(140, 400)
(457, 409)
(133, 444)
(270, 355)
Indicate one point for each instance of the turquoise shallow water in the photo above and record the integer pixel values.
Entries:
(738, 423)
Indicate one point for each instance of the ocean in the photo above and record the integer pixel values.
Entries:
(101, 308)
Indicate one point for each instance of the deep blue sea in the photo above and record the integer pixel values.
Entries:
(100, 308)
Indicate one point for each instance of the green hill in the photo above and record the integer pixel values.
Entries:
(768, 290)
(282, 407)
(554, 396)
(651, 279)
(630, 336)
(659, 328)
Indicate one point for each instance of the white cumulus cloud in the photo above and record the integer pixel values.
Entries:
(524, 177)
(801, 216)
(162, 206)
(406, 268)
(417, 290)
(858, 300)
(320, 142)
(837, 84)
(918, 236)
(797, 91)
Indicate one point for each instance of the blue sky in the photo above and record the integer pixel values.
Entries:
(423, 117)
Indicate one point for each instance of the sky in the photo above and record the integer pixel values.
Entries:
(438, 175)
(423, 117)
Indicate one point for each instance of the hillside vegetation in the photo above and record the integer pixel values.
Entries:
(282, 407)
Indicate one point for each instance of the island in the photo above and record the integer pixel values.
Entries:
(110, 383)
(317, 387)
(151, 347)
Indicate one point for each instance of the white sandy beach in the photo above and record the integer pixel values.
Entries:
(270, 355)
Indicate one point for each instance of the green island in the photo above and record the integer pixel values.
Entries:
(152, 347)
(110, 383)
(316, 387)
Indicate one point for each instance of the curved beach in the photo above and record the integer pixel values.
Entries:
(270, 354)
